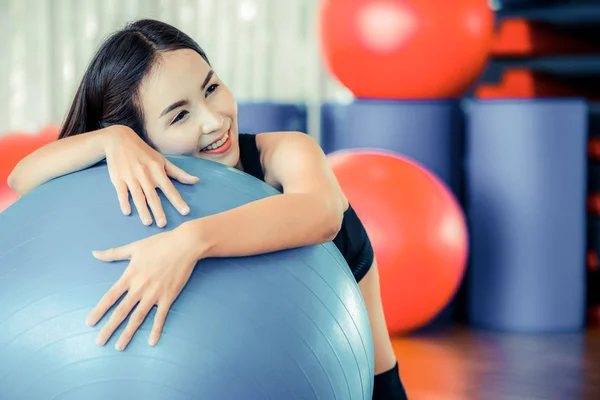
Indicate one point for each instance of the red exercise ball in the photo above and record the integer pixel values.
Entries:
(13, 148)
(406, 49)
(417, 229)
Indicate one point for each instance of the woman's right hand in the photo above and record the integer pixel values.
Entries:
(135, 167)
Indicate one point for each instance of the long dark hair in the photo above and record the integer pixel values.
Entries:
(109, 91)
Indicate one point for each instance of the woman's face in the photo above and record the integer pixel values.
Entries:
(188, 110)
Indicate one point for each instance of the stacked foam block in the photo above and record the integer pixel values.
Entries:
(536, 60)
(593, 239)
(553, 52)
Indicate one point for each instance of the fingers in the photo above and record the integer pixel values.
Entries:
(177, 173)
(117, 317)
(144, 194)
(153, 201)
(140, 203)
(159, 322)
(107, 301)
(116, 254)
(136, 319)
(123, 195)
(149, 181)
(172, 194)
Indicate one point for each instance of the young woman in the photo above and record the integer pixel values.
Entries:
(150, 90)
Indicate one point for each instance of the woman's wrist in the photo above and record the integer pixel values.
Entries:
(109, 136)
(192, 234)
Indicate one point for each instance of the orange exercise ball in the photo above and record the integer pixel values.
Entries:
(13, 148)
(417, 229)
(406, 49)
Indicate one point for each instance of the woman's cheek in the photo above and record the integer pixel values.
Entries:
(179, 145)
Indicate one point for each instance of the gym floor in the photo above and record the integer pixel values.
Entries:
(462, 364)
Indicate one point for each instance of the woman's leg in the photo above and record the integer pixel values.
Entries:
(388, 385)
(385, 359)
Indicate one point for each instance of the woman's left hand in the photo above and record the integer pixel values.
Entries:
(159, 268)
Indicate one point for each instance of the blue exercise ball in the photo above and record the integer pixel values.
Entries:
(285, 325)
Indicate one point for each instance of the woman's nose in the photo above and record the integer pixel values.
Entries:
(211, 122)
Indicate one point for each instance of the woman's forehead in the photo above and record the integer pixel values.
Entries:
(174, 76)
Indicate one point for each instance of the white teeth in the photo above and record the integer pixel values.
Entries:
(217, 144)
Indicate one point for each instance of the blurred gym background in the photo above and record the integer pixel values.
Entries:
(482, 111)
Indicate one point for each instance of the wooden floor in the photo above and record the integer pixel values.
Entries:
(459, 363)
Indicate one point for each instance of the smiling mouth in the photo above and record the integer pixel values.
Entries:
(216, 144)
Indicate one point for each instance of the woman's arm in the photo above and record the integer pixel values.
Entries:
(56, 159)
(134, 168)
(310, 210)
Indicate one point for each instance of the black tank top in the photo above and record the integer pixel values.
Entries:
(250, 156)
(352, 239)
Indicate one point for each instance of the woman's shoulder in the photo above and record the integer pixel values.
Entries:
(288, 151)
(284, 139)
(280, 134)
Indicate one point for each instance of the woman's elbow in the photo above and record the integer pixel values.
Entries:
(15, 183)
(332, 232)
(333, 221)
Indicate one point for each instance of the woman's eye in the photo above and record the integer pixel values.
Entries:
(179, 117)
(211, 89)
